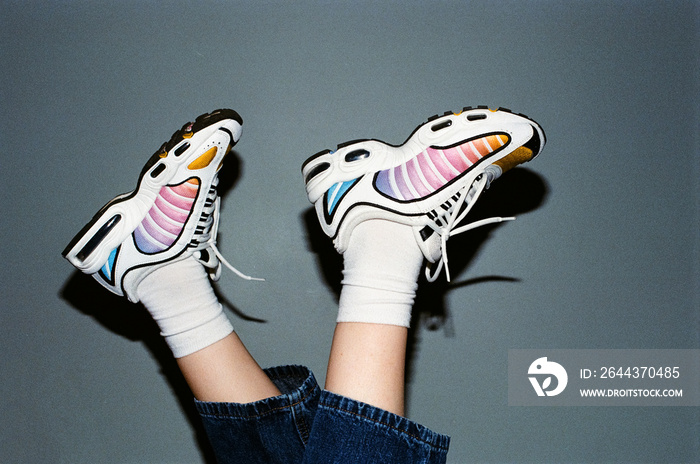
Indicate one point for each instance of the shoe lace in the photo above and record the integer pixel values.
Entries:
(446, 219)
(207, 229)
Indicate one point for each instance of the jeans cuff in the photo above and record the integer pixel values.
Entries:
(296, 383)
(384, 419)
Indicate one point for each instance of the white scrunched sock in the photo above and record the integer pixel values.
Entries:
(381, 267)
(181, 300)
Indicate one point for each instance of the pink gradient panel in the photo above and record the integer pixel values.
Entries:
(439, 163)
(412, 169)
(455, 158)
(166, 218)
(179, 197)
(163, 221)
(448, 162)
(433, 180)
(154, 232)
(401, 184)
(174, 214)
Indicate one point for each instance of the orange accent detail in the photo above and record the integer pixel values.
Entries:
(519, 156)
(187, 135)
(193, 181)
(481, 147)
(163, 155)
(494, 142)
(203, 160)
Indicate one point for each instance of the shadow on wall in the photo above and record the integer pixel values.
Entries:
(517, 192)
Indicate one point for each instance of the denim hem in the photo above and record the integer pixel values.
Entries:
(382, 418)
(309, 425)
(296, 383)
(273, 430)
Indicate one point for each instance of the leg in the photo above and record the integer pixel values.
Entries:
(423, 189)
(368, 353)
(226, 372)
(157, 245)
(360, 415)
(250, 415)
(212, 358)
(367, 364)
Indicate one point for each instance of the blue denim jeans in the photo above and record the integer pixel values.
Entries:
(312, 426)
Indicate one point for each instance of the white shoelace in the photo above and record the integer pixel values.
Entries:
(453, 216)
(206, 239)
(449, 220)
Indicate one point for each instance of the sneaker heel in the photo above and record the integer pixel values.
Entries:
(97, 238)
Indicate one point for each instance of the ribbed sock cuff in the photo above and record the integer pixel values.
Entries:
(361, 304)
(181, 300)
(382, 263)
(199, 337)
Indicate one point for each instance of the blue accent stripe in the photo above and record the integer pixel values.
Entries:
(109, 265)
(337, 192)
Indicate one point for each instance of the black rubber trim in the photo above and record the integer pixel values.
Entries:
(96, 239)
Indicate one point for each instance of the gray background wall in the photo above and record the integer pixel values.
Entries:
(605, 252)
